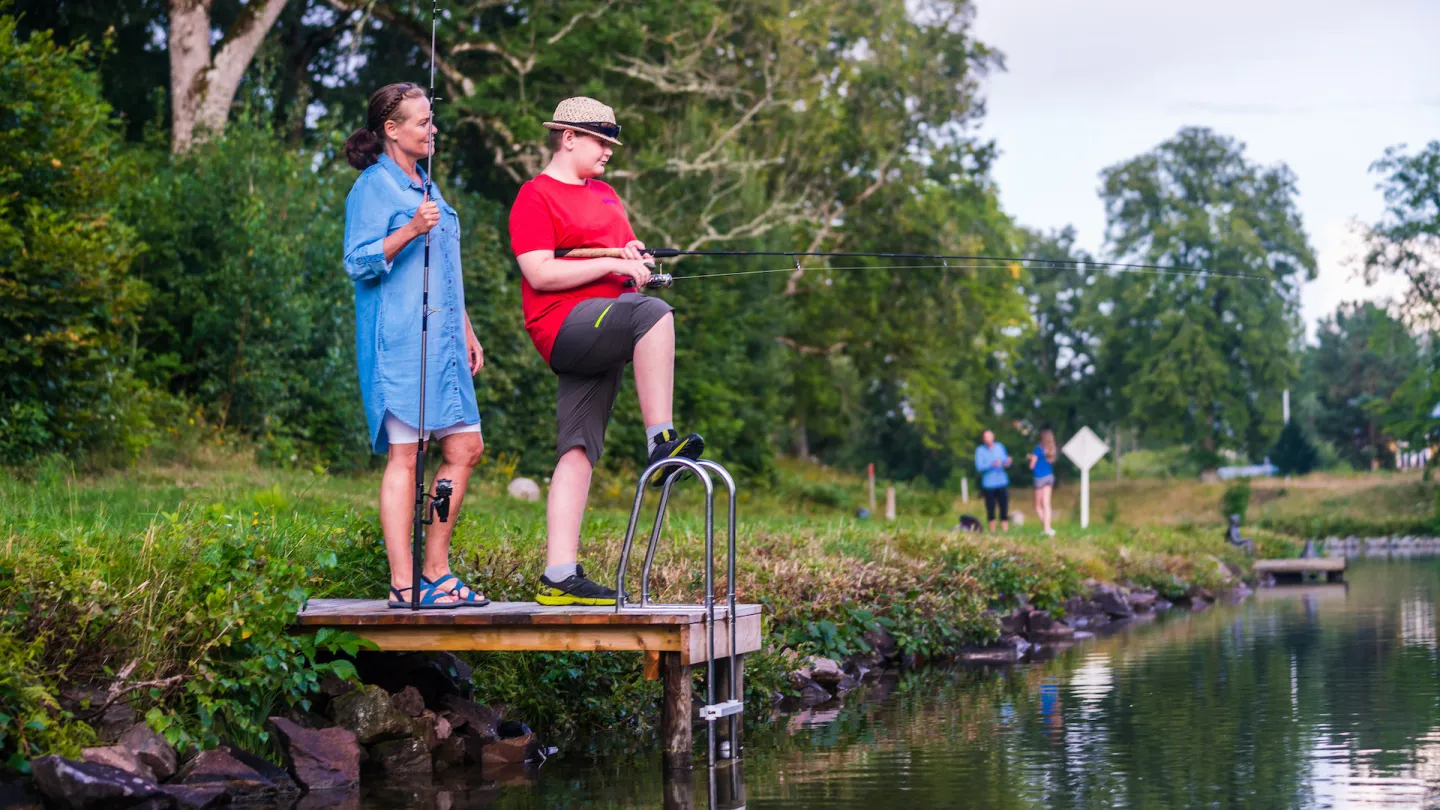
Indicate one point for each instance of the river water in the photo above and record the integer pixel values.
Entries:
(1300, 697)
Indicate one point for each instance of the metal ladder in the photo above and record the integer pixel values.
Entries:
(713, 710)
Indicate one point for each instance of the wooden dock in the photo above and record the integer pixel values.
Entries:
(1298, 569)
(672, 639)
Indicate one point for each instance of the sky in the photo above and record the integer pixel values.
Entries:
(1321, 85)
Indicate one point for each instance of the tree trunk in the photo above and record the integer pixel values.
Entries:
(203, 80)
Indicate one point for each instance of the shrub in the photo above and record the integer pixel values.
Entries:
(1236, 499)
(1293, 453)
(68, 304)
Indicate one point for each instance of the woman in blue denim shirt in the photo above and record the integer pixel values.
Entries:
(388, 213)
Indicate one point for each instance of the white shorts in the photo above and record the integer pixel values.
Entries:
(401, 433)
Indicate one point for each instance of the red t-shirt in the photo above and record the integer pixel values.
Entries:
(552, 215)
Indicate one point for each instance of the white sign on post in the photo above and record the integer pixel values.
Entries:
(1085, 448)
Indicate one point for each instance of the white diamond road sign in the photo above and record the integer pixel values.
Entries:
(1085, 448)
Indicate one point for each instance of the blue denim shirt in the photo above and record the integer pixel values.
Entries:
(387, 306)
(991, 477)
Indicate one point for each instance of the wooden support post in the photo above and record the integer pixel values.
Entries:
(652, 664)
(675, 739)
(679, 787)
(730, 727)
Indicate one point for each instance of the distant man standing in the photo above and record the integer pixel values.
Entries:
(991, 459)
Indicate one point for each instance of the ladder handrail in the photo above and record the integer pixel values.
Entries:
(701, 468)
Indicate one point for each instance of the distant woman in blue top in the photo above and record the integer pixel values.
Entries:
(1040, 466)
(388, 213)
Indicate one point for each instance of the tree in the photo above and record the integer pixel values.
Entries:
(1202, 358)
(1054, 381)
(1293, 453)
(1362, 357)
(1406, 241)
(68, 304)
(204, 78)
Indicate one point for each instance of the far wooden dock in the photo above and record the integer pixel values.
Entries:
(1298, 569)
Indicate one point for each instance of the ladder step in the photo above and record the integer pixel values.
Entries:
(718, 710)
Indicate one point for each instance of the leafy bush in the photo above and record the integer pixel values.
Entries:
(1236, 499)
(68, 304)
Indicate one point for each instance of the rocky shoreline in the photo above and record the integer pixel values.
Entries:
(1025, 634)
(1397, 545)
(411, 718)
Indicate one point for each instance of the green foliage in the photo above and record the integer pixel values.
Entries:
(1202, 360)
(198, 606)
(1362, 357)
(1405, 241)
(68, 304)
(1236, 499)
(1293, 453)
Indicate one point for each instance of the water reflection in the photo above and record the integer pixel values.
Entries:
(1314, 697)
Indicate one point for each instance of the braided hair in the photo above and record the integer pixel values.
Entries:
(367, 143)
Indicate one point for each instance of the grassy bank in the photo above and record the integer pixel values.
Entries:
(178, 580)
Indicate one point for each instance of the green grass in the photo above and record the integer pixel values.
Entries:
(188, 574)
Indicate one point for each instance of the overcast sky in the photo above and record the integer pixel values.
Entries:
(1322, 85)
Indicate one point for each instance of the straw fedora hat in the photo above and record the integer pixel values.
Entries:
(586, 115)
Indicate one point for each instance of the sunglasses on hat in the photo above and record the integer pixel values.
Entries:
(598, 127)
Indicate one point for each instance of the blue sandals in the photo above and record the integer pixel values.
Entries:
(472, 600)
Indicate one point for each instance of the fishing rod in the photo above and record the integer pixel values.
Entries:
(444, 488)
(1012, 263)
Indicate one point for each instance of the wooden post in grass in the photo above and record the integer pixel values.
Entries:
(889, 503)
(872, 487)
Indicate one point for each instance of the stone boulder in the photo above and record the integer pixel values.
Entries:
(512, 751)
(524, 489)
(242, 776)
(408, 701)
(1141, 601)
(152, 750)
(1015, 622)
(84, 785)
(408, 756)
(513, 728)
(120, 758)
(318, 759)
(1045, 626)
(1003, 650)
(196, 797)
(826, 672)
(810, 692)
(470, 718)
(1113, 603)
(370, 715)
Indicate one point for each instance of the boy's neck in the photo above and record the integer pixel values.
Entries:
(560, 170)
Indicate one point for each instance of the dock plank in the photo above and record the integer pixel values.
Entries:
(527, 626)
(1300, 565)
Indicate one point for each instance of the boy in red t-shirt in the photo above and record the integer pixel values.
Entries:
(588, 326)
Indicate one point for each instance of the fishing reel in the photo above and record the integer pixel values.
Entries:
(440, 501)
(658, 281)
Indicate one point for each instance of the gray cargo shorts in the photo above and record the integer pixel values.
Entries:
(590, 353)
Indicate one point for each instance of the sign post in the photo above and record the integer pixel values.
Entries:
(1085, 448)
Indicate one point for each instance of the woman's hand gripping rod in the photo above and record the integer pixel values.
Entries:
(657, 280)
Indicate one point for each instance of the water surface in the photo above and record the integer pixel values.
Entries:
(1315, 697)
